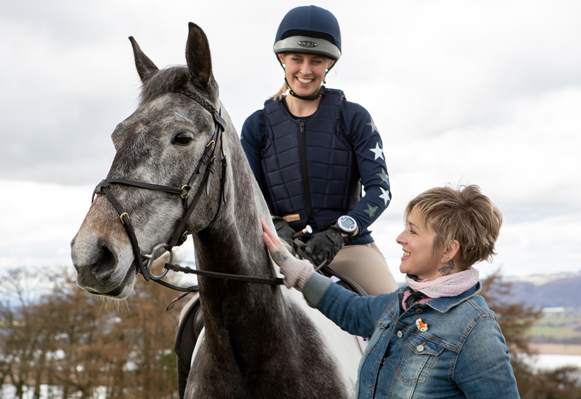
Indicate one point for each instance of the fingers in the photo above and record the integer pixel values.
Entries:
(273, 244)
(268, 242)
(264, 225)
(267, 230)
(312, 250)
(270, 239)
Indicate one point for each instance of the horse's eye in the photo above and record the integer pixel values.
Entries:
(182, 139)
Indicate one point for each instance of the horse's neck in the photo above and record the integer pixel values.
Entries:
(234, 247)
(233, 244)
(237, 313)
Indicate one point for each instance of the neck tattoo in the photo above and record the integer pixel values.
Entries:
(446, 270)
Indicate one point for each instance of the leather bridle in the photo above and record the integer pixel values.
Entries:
(205, 166)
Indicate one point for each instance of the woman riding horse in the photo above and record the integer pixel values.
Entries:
(311, 151)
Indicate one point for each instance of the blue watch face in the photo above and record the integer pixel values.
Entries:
(347, 224)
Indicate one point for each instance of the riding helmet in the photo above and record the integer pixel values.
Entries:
(309, 29)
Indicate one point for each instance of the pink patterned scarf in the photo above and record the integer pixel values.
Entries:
(446, 286)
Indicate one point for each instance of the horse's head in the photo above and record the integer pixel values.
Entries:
(160, 143)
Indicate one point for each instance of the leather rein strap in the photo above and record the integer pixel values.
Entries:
(224, 276)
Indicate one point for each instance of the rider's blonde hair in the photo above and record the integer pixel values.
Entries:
(278, 96)
(463, 214)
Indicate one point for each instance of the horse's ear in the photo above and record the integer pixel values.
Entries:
(145, 67)
(198, 56)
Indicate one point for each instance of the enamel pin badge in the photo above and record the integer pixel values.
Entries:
(423, 327)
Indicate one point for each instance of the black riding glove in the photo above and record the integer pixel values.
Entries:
(283, 230)
(325, 244)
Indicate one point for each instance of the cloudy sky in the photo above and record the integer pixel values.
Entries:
(468, 92)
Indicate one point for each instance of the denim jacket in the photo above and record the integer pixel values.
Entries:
(462, 354)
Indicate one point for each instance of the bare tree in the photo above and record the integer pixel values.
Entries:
(77, 325)
(515, 319)
(150, 333)
(20, 333)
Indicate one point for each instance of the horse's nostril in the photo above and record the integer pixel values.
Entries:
(105, 265)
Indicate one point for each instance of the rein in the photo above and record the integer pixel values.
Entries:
(204, 273)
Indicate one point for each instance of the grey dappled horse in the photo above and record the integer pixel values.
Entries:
(260, 341)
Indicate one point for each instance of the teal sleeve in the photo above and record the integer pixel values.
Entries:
(315, 288)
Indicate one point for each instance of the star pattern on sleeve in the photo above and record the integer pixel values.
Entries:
(385, 195)
(384, 176)
(371, 211)
(372, 124)
(377, 151)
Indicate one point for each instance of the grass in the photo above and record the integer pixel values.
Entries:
(554, 329)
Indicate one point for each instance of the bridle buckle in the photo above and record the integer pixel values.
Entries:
(185, 191)
(121, 217)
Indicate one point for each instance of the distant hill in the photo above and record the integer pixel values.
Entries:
(542, 291)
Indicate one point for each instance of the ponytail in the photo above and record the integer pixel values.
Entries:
(285, 87)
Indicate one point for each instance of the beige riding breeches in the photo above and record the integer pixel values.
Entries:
(365, 265)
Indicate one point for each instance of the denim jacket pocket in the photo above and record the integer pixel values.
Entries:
(417, 359)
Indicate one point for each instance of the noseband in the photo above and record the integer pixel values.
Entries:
(205, 166)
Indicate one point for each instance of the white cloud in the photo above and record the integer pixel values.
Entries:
(485, 93)
(40, 220)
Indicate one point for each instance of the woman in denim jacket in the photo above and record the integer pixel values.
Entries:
(435, 337)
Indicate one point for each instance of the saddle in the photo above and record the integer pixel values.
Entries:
(192, 323)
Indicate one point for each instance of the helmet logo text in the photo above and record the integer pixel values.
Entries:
(307, 43)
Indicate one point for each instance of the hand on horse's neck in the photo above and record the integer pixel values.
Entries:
(302, 108)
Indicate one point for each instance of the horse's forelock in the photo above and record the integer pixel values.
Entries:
(172, 79)
(164, 81)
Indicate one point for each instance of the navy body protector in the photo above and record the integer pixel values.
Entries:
(309, 165)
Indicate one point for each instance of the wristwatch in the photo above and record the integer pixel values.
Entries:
(347, 225)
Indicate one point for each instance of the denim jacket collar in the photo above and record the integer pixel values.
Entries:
(444, 304)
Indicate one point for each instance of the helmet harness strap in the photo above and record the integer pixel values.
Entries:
(312, 97)
(307, 98)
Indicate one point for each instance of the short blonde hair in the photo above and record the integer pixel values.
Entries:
(462, 214)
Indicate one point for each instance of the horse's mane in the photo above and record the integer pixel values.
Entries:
(173, 79)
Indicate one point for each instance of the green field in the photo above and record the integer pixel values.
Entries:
(560, 328)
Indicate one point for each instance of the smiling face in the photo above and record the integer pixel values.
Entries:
(418, 249)
(305, 73)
